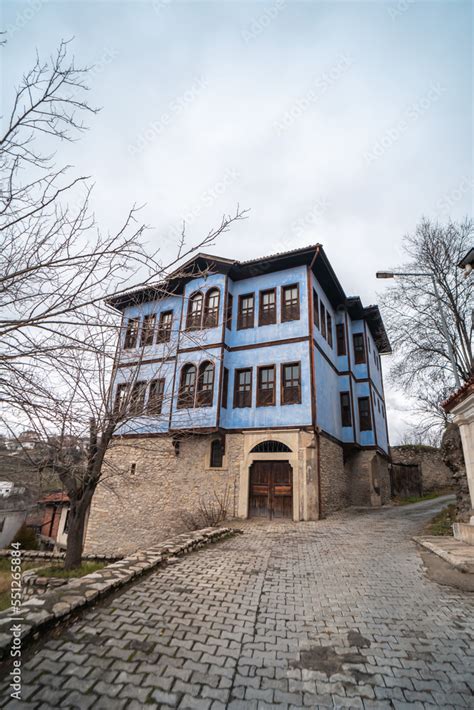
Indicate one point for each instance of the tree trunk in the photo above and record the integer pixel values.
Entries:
(75, 535)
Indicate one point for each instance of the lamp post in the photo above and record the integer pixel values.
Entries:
(444, 324)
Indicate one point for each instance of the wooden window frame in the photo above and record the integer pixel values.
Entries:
(260, 396)
(365, 422)
(121, 393)
(358, 358)
(163, 334)
(245, 322)
(228, 310)
(237, 392)
(184, 400)
(148, 330)
(315, 308)
(292, 311)
(137, 404)
(322, 318)
(346, 409)
(211, 317)
(329, 335)
(154, 403)
(131, 333)
(205, 397)
(268, 316)
(225, 388)
(283, 399)
(341, 348)
(194, 320)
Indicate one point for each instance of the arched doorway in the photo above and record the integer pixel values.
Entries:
(271, 483)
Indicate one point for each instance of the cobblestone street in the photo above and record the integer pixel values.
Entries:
(331, 614)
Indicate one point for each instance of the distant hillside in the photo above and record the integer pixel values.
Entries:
(16, 467)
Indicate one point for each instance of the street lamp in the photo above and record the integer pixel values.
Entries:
(444, 324)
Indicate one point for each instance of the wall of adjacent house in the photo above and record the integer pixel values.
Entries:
(435, 474)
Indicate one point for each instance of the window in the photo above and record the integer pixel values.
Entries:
(211, 310)
(346, 413)
(187, 387)
(267, 309)
(164, 327)
(148, 328)
(217, 453)
(365, 419)
(359, 348)
(155, 396)
(205, 384)
(246, 311)
(291, 383)
(121, 398)
(341, 339)
(290, 303)
(228, 311)
(131, 334)
(329, 328)
(315, 309)
(133, 468)
(225, 387)
(194, 317)
(137, 397)
(322, 318)
(243, 388)
(66, 522)
(266, 386)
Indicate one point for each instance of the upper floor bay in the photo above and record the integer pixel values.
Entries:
(273, 342)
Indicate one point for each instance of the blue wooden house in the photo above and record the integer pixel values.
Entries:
(262, 376)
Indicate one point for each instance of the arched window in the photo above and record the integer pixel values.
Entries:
(217, 453)
(211, 308)
(270, 447)
(187, 386)
(205, 384)
(194, 318)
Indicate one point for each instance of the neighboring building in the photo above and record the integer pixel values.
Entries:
(259, 381)
(6, 488)
(52, 521)
(435, 475)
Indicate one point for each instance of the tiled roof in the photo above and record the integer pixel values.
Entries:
(57, 497)
(459, 394)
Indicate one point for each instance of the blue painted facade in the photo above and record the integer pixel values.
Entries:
(324, 373)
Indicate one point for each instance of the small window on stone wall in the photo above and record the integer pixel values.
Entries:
(133, 468)
(217, 453)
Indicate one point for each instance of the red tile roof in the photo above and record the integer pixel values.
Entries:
(459, 394)
(57, 497)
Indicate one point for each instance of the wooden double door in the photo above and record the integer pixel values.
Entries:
(271, 490)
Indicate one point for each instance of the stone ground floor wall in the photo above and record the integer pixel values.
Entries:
(150, 492)
(435, 474)
(152, 489)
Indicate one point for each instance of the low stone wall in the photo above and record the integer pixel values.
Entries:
(34, 584)
(435, 474)
(334, 477)
(55, 605)
(43, 555)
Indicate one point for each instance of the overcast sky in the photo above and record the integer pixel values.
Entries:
(334, 122)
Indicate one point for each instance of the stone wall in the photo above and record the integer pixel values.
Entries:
(135, 507)
(334, 477)
(369, 478)
(453, 457)
(435, 473)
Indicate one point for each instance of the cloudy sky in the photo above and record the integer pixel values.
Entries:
(334, 122)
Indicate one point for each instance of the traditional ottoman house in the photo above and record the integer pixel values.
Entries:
(254, 384)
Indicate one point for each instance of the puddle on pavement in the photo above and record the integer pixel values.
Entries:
(326, 660)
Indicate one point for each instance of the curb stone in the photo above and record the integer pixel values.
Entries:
(57, 604)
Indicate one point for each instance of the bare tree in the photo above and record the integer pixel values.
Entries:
(422, 366)
(57, 335)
